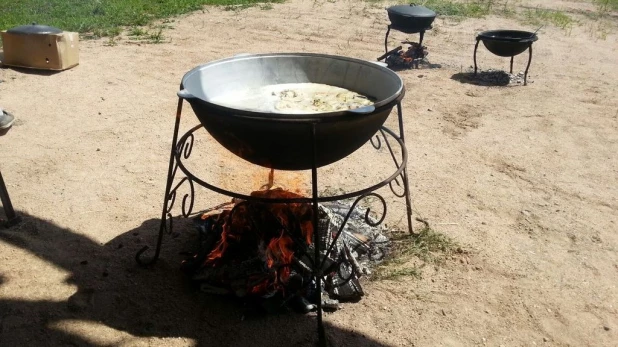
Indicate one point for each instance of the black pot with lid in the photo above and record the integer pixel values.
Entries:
(30, 29)
(411, 18)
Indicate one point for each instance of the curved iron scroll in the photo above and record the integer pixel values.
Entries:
(340, 264)
(377, 144)
(367, 219)
(184, 147)
(401, 166)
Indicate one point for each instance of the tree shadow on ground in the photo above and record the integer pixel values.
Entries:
(157, 302)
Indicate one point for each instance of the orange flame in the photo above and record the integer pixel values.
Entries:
(279, 252)
(220, 247)
(260, 288)
(307, 230)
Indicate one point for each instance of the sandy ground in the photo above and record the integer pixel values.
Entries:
(524, 178)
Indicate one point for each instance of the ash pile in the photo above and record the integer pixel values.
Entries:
(493, 77)
(265, 252)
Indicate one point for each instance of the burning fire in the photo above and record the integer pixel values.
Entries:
(274, 233)
(267, 251)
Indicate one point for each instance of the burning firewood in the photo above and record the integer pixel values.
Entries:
(398, 58)
(266, 250)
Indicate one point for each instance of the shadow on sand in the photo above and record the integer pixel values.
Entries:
(157, 302)
(483, 78)
(423, 65)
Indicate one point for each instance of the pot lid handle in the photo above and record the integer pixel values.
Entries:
(364, 110)
(184, 94)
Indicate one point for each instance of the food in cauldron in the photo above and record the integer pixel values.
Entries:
(294, 98)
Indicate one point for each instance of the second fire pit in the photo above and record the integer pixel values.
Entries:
(507, 43)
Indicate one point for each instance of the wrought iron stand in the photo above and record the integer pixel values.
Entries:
(182, 148)
(478, 40)
(390, 26)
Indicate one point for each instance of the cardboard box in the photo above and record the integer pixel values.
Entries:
(41, 51)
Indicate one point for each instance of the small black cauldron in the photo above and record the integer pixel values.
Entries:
(410, 18)
(507, 43)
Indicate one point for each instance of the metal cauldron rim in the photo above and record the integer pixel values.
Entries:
(309, 117)
(485, 36)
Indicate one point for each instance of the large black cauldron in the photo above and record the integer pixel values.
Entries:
(286, 141)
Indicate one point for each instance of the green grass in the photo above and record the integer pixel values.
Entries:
(607, 5)
(98, 18)
(540, 17)
(476, 9)
(506, 8)
(429, 246)
(469, 8)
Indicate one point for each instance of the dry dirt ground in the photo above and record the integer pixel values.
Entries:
(523, 178)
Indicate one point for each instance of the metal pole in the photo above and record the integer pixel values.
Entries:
(386, 39)
(406, 186)
(475, 49)
(6, 203)
(168, 187)
(528, 66)
(316, 240)
(512, 64)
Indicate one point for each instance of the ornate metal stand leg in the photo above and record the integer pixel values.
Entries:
(11, 217)
(386, 39)
(405, 173)
(401, 177)
(475, 49)
(511, 71)
(422, 34)
(528, 66)
(165, 213)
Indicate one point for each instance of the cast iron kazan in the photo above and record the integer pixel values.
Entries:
(286, 141)
(411, 18)
(507, 43)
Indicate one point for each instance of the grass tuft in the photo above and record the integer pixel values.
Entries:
(137, 32)
(156, 37)
(605, 6)
(543, 16)
(429, 246)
